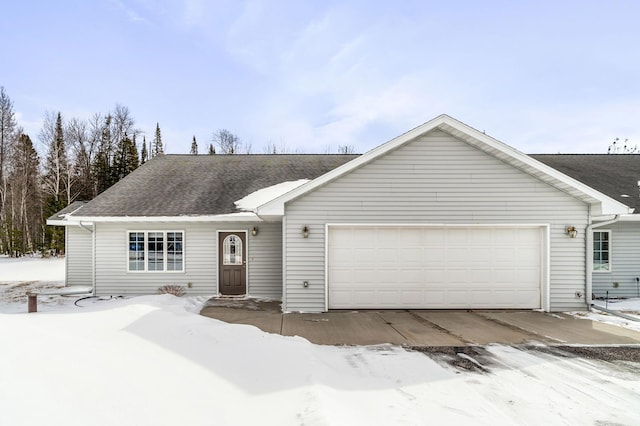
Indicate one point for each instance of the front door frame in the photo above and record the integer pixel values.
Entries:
(246, 256)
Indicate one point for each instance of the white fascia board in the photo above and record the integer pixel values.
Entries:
(60, 222)
(629, 218)
(232, 217)
(601, 202)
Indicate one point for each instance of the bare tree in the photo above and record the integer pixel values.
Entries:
(272, 148)
(615, 147)
(122, 124)
(227, 142)
(26, 197)
(7, 137)
(82, 147)
(346, 149)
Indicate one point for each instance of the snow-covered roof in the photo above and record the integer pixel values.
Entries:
(257, 198)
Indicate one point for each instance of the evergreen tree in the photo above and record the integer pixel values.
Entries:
(194, 146)
(212, 149)
(144, 156)
(56, 181)
(56, 165)
(156, 145)
(102, 175)
(125, 159)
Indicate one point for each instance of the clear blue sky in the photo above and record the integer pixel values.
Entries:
(542, 76)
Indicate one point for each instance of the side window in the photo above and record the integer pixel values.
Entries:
(601, 251)
(174, 251)
(157, 251)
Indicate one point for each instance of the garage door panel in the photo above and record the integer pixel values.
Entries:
(426, 267)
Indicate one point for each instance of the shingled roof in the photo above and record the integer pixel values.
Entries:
(615, 175)
(178, 185)
(75, 206)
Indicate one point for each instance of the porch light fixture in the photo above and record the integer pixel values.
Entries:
(254, 231)
(305, 231)
(572, 232)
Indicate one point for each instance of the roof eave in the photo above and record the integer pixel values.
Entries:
(231, 217)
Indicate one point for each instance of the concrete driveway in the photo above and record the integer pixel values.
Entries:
(420, 327)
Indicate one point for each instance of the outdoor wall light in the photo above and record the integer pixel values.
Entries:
(572, 231)
(305, 231)
(254, 231)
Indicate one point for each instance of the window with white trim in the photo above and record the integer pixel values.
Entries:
(601, 251)
(156, 251)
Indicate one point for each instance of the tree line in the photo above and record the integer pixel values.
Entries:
(81, 159)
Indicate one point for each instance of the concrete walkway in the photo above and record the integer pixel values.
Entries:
(419, 327)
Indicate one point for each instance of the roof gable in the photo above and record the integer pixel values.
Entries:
(601, 202)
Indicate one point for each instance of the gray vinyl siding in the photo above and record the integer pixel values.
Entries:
(264, 261)
(625, 263)
(435, 179)
(79, 256)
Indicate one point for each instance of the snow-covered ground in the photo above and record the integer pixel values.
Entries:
(153, 361)
(628, 307)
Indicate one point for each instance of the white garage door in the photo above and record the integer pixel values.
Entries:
(434, 268)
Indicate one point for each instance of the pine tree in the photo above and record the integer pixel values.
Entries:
(194, 146)
(102, 175)
(56, 165)
(56, 180)
(144, 156)
(212, 149)
(156, 145)
(125, 159)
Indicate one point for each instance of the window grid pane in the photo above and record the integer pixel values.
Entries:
(601, 251)
(174, 251)
(155, 249)
(136, 251)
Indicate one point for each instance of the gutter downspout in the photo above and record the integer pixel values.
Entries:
(85, 227)
(589, 238)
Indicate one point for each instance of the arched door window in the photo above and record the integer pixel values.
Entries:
(232, 250)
